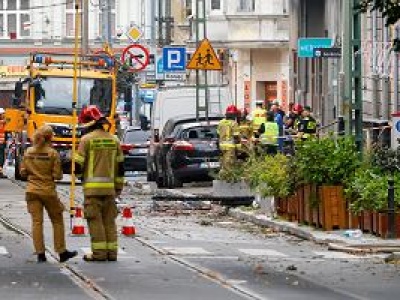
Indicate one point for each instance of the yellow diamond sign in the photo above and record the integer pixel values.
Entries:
(134, 33)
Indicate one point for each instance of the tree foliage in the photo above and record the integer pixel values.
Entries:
(389, 9)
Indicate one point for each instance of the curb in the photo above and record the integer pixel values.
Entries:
(306, 234)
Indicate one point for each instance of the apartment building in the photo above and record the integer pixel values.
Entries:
(256, 35)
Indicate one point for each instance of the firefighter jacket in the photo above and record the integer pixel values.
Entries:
(228, 132)
(2, 132)
(246, 130)
(307, 127)
(258, 117)
(41, 165)
(269, 133)
(100, 159)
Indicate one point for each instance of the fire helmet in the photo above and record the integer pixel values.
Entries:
(298, 108)
(90, 115)
(232, 110)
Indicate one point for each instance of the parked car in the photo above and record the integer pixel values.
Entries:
(186, 151)
(135, 145)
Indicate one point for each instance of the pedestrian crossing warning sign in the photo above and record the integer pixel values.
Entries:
(204, 58)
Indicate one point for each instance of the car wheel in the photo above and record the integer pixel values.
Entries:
(173, 181)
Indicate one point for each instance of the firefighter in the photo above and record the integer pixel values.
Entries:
(246, 131)
(2, 141)
(258, 116)
(306, 125)
(229, 139)
(99, 162)
(41, 166)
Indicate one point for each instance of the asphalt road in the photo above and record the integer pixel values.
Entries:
(185, 254)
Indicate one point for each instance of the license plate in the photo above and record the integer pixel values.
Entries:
(210, 165)
(138, 151)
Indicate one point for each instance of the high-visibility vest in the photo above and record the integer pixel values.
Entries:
(227, 129)
(258, 115)
(270, 135)
(100, 156)
(2, 132)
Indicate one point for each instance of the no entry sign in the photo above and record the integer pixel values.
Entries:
(136, 57)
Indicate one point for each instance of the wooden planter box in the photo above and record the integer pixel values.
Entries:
(382, 223)
(301, 203)
(307, 204)
(353, 220)
(281, 206)
(333, 207)
(293, 205)
(366, 221)
(375, 222)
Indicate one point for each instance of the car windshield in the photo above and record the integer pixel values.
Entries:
(136, 137)
(53, 95)
(200, 132)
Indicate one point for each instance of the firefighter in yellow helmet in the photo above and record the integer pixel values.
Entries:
(99, 160)
(229, 140)
(2, 141)
(41, 166)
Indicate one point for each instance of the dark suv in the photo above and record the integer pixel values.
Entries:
(186, 151)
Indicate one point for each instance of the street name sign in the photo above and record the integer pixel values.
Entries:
(333, 52)
(306, 46)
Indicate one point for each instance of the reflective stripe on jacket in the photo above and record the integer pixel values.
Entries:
(227, 130)
(258, 116)
(99, 154)
(270, 135)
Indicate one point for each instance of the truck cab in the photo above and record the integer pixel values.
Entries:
(49, 100)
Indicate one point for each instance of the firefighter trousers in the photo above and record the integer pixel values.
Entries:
(100, 213)
(228, 159)
(54, 208)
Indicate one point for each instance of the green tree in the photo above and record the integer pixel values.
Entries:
(388, 8)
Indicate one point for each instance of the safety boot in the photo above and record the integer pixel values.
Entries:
(66, 255)
(41, 257)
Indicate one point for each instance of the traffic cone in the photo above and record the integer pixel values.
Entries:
(78, 228)
(127, 227)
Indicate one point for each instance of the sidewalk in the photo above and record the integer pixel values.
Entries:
(329, 238)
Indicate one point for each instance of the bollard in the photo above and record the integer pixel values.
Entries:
(391, 209)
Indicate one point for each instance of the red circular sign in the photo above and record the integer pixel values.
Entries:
(136, 56)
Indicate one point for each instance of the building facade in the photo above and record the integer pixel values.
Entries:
(255, 34)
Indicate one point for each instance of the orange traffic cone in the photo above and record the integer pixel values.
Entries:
(78, 227)
(127, 227)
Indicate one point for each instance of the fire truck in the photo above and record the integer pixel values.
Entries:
(45, 97)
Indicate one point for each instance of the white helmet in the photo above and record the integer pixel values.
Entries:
(2, 111)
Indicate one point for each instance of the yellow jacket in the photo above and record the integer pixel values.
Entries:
(227, 131)
(101, 159)
(41, 165)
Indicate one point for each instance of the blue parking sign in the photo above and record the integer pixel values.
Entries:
(174, 59)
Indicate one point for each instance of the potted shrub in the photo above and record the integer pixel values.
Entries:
(328, 163)
(268, 177)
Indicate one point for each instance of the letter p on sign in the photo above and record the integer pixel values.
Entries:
(174, 59)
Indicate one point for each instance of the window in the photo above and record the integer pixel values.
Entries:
(215, 4)
(70, 18)
(14, 18)
(247, 5)
(11, 5)
(112, 21)
(188, 7)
